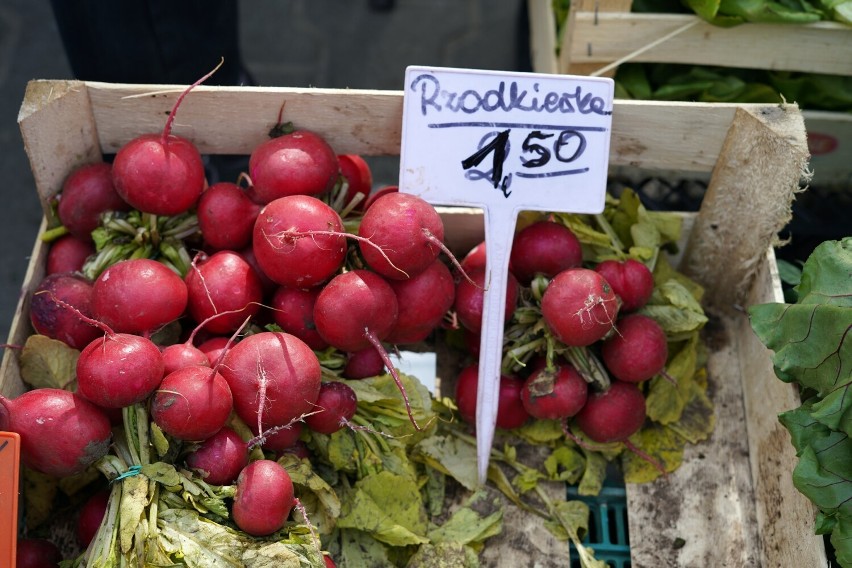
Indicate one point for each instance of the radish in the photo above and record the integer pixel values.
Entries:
(423, 301)
(631, 281)
(37, 553)
(363, 363)
(214, 348)
(226, 216)
(475, 258)
(579, 307)
(638, 351)
(50, 315)
(293, 311)
(545, 248)
(274, 377)
(138, 296)
(355, 309)
(299, 241)
(406, 233)
(119, 369)
(336, 405)
(279, 438)
(510, 410)
(180, 355)
(222, 284)
(612, 415)
(298, 163)
(161, 173)
(62, 433)
(192, 403)
(359, 178)
(91, 516)
(264, 498)
(220, 458)
(68, 254)
(87, 193)
(380, 192)
(470, 299)
(554, 395)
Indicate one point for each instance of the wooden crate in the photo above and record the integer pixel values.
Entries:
(601, 34)
(732, 501)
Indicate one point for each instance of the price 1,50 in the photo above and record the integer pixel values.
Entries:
(543, 154)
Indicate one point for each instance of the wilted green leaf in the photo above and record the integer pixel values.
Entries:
(661, 445)
(48, 363)
(697, 420)
(539, 432)
(39, 491)
(572, 517)
(666, 399)
(594, 475)
(444, 555)
(456, 458)
(565, 464)
(358, 548)
(479, 518)
(134, 500)
(387, 506)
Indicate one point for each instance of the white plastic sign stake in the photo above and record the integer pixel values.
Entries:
(505, 143)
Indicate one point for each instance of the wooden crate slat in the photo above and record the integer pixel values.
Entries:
(604, 37)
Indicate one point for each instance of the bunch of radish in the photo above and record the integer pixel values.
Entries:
(267, 273)
(577, 347)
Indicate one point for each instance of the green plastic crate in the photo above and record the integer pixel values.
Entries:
(608, 535)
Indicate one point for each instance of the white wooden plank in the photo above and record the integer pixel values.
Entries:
(602, 37)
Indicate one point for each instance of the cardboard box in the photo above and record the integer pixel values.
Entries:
(732, 501)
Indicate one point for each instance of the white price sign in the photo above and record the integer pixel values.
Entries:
(505, 143)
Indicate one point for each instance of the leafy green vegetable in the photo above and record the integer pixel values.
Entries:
(813, 349)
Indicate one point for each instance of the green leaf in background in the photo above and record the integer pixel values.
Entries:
(706, 9)
(835, 409)
(767, 11)
(48, 363)
(826, 274)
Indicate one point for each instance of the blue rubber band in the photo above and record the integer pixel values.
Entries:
(131, 471)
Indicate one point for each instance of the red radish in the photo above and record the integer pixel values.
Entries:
(226, 216)
(298, 163)
(470, 299)
(355, 309)
(299, 449)
(274, 377)
(406, 233)
(299, 241)
(638, 351)
(220, 458)
(380, 192)
(363, 363)
(224, 284)
(180, 355)
(264, 498)
(423, 301)
(192, 403)
(62, 433)
(475, 258)
(51, 318)
(37, 553)
(68, 254)
(359, 177)
(613, 415)
(293, 311)
(546, 248)
(336, 405)
(161, 173)
(119, 369)
(138, 296)
(579, 307)
(91, 516)
(279, 438)
(214, 348)
(329, 563)
(87, 193)
(631, 281)
(510, 410)
(554, 395)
